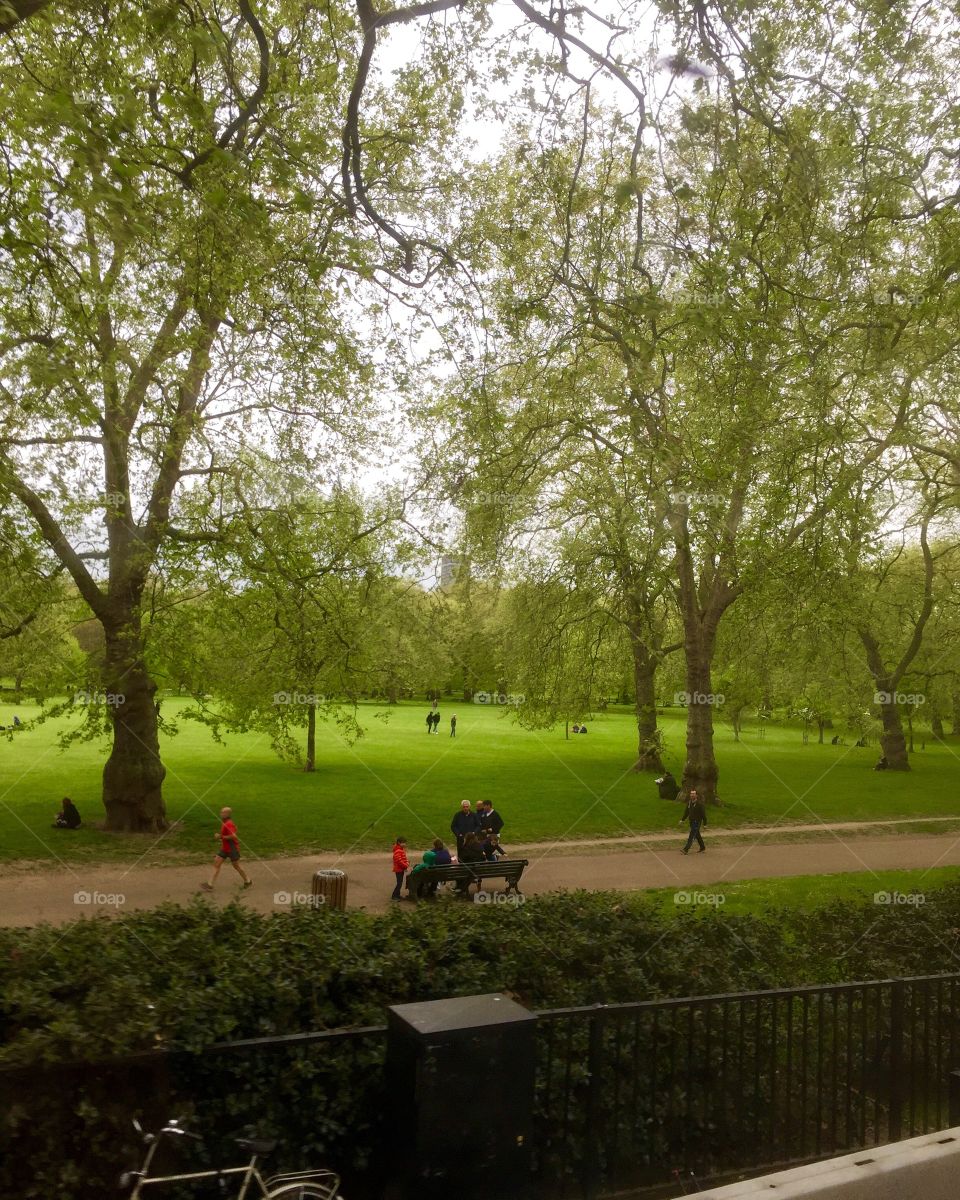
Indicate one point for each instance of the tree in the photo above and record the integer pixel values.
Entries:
(287, 618)
(171, 253)
(711, 312)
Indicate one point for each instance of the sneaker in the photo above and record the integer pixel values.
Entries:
(701, 850)
(206, 887)
(684, 851)
(247, 883)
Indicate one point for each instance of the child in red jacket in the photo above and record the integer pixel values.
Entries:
(400, 865)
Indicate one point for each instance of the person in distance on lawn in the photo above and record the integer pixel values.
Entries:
(453, 726)
(401, 864)
(696, 814)
(229, 849)
(429, 722)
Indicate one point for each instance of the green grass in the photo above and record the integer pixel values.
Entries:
(396, 779)
(802, 892)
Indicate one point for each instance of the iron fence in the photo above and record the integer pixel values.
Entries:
(685, 1091)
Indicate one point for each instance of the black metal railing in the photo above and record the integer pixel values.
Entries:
(65, 1128)
(637, 1095)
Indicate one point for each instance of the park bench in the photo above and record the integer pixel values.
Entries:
(508, 869)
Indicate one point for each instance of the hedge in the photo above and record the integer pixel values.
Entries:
(184, 978)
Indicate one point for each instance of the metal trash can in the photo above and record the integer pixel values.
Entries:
(332, 886)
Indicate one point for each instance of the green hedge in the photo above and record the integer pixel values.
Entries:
(184, 978)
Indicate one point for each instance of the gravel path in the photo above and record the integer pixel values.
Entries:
(63, 893)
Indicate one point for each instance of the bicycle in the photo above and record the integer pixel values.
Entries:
(292, 1185)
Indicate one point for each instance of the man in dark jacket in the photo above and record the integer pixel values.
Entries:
(491, 819)
(696, 814)
(465, 821)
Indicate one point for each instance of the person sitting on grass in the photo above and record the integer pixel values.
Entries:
(67, 817)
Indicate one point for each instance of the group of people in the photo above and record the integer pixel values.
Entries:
(477, 833)
(433, 723)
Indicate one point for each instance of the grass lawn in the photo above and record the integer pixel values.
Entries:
(804, 892)
(397, 779)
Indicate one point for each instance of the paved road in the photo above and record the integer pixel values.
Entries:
(57, 895)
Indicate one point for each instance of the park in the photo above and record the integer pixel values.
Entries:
(479, 599)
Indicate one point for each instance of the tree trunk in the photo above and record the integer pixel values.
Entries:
(700, 770)
(893, 743)
(936, 727)
(133, 774)
(644, 678)
(311, 737)
(955, 713)
(393, 693)
(910, 728)
(820, 726)
(17, 688)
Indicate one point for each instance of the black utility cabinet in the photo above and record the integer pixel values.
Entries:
(460, 1080)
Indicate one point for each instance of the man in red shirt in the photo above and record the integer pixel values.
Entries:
(229, 849)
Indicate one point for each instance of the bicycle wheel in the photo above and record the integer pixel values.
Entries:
(302, 1191)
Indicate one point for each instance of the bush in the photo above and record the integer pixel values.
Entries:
(182, 979)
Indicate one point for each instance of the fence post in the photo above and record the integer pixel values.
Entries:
(896, 1060)
(953, 1097)
(592, 1160)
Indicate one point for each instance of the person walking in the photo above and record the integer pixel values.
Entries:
(436, 722)
(401, 864)
(429, 722)
(696, 814)
(464, 821)
(453, 726)
(229, 849)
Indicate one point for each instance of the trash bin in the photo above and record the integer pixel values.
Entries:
(332, 886)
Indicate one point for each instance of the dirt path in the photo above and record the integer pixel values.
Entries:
(64, 893)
